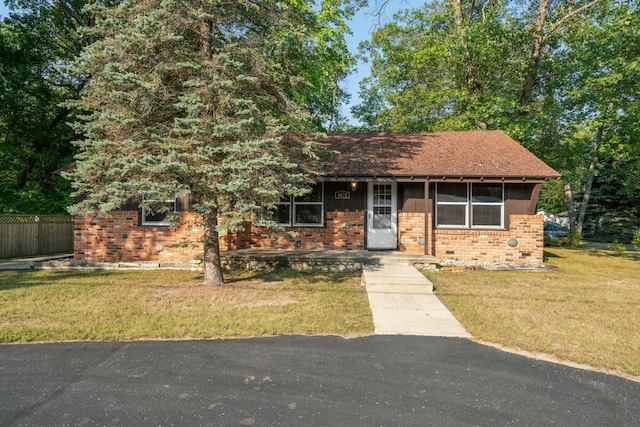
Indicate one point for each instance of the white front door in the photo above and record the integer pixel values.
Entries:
(382, 216)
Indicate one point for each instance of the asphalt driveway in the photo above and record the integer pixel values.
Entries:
(302, 381)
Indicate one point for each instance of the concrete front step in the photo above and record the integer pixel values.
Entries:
(403, 278)
(421, 262)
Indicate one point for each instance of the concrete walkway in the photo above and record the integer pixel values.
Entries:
(29, 263)
(403, 303)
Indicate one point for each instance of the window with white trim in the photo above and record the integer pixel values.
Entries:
(469, 205)
(158, 210)
(487, 205)
(452, 201)
(303, 211)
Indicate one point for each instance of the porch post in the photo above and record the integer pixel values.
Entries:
(427, 238)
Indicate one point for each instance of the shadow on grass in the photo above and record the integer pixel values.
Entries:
(633, 256)
(306, 281)
(31, 278)
(546, 255)
(281, 274)
(630, 255)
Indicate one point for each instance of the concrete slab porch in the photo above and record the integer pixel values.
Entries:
(254, 259)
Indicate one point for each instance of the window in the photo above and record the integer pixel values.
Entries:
(487, 205)
(452, 203)
(476, 205)
(307, 210)
(158, 210)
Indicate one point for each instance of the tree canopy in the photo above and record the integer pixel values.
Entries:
(561, 77)
(35, 139)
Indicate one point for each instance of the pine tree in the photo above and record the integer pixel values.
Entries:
(200, 97)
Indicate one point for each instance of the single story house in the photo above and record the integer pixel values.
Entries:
(454, 195)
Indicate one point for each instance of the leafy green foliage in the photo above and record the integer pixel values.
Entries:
(599, 78)
(552, 198)
(560, 77)
(35, 140)
(326, 61)
(636, 239)
(42, 36)
(617, 248)
(429, 72)
(614, 207)
(573, 239)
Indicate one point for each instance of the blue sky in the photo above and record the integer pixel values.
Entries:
(362, 25)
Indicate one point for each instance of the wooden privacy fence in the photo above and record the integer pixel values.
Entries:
(28, 235)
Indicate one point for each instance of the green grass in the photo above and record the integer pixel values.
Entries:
(587, 312)
(90, 305)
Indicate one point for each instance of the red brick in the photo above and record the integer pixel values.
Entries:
(466, 245)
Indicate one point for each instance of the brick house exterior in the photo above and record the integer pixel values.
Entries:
(455, 195)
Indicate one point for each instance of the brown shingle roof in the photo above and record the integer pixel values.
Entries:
(433, 154)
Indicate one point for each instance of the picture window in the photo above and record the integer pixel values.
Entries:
(470, 205)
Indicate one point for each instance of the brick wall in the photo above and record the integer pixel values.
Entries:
(411, 236)
(121, 238)
(526, 234)
(343, 231)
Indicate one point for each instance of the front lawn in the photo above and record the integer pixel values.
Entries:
(587, 312)
(129, 305)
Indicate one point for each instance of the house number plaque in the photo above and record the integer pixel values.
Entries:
(342, 195)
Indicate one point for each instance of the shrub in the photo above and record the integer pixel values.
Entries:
(617, 248)
(573, 239)
(636, 239)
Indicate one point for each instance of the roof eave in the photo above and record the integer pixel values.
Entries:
(437, 178)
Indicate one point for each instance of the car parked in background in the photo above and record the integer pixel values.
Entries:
(554, 233)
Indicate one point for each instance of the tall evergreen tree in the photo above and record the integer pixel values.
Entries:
(201, 97)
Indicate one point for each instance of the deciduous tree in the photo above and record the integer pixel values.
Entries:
(561, 77)
(35, 139)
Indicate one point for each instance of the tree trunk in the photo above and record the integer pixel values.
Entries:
(212, 267)
(205, 34)
(534, 59)
(571, 209)
(589, 183)
(568, 193)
